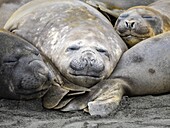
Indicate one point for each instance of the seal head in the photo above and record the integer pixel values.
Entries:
(139, 23)
(87, 60)
(23, 73)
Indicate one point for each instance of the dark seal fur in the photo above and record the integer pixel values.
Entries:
(23, 73)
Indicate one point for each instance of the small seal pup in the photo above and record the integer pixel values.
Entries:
(23, 73)
(142, 22)
(80, 41)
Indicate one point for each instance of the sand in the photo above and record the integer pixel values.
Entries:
(134, 112)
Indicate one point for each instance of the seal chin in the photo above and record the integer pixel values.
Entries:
(131, 40)
(84, 80)
(28, 94)
(34, 95)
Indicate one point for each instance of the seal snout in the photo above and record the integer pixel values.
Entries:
(130, 24)
(38, 77)
(133, 27)
(89, 59)
(87, 64)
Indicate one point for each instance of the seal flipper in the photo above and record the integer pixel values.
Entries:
(54, 95)
(80, 102)
(109, 99)
(100, 93)
(63, 102)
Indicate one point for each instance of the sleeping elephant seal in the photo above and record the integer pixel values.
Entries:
(142, 70)
(141, 22)
(23, 73)
(78, 39)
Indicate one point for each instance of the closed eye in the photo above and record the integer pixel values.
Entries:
(73, 48)
(147, 17)
(103, 51)
(10, 60)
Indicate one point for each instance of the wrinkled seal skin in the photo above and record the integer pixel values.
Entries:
(23, 73)
(142, 70)
(142, 22)
(77, 38)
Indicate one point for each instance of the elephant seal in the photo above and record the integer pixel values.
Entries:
(142, 70)
(23, 73)
(141, 22)
(81, 43)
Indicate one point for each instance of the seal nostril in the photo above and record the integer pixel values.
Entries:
(132, 25)
(42, 73)
(92, 62)
(126, 24)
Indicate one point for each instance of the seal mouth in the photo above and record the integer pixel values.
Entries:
(28, 94)
(95, 76)
(134, 36)
(33, 93)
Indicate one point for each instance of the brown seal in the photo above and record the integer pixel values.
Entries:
(142, 22)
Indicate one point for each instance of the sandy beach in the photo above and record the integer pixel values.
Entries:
(134, 112)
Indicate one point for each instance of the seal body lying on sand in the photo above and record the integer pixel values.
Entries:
(23, 73)
(142, 70)
(79, 40)
(141, 22)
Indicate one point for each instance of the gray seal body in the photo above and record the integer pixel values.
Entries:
(142, 70)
